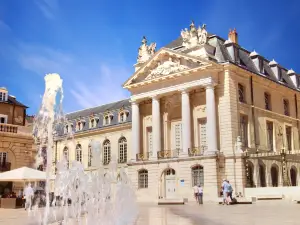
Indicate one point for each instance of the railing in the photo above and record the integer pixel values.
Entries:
(167, 154)
(197, 151)
(5, 166)
(106, 162)
(8, 128)
(123, 160)
(143, 156)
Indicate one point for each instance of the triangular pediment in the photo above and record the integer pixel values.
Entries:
(166, 63)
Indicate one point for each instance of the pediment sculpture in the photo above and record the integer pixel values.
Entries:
(194, 37)
(166, 68)
(145, 51)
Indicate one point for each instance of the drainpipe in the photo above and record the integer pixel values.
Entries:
(253, 112)
(296, 110)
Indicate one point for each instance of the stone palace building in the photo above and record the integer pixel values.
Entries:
(202, 108)
(16, 141)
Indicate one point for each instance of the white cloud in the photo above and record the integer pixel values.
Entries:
(48, 7)
(87, 82)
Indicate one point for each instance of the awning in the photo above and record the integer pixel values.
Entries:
(24, 174)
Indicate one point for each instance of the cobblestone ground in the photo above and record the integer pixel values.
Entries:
(261, 213)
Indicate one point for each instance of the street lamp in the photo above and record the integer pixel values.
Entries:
(283, 159)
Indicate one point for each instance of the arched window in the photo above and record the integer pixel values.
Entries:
(143, 178)
(122, 150)
(106, 152)
(90, 155)
(197, 175)
(66, 155)
(78, 153)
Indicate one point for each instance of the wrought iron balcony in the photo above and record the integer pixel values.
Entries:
(8, 128)
(5, 166)
(142, 156)
(123, 160)
(167, 154)
(106, 162)
(197, 151)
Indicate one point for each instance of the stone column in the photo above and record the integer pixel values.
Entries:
(135, 130)
(186, 122)
(156, 128)
(211, 130)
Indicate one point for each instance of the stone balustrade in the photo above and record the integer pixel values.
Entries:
(8, 128)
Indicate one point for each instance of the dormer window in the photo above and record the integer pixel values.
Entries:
(94, 122)
(80, 125)
(67, 129)
(123, 115)
(107, 119)
(3, 95)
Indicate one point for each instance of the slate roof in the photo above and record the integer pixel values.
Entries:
(12, 100)
(244, 61)
(98, 112)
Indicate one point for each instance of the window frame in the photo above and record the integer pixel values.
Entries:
(106, 152)
(270, 145)
(143, 177)
(122, 149)
(196, 171)
(243, 95)
(286, 107)
(78, 149)
(267, 101)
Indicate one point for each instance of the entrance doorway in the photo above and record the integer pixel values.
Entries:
(170, 183)
(262, 175)
(293, 174)
(274, 176)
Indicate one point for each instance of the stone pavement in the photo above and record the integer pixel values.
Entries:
(262, 213)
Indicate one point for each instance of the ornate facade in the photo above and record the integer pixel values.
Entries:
(201, 109)
(16, 142)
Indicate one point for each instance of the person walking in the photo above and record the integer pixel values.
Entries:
(200, 194)
(28, 192)
(196, 191)
(230, 190)
(225, 191)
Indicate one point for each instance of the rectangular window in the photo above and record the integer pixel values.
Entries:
(244, 130)
(1, 96)
(3, 157)
(270, 135)
(267, 101)
(149, 139)
(202, 134)
(178, 132)
(288, 133)
(286, 107)
(241, 90)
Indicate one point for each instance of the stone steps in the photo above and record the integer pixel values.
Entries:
(171, 202)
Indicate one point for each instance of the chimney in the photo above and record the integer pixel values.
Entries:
(232, 46)
(233, 36)
(291, 73)
(257, 61)
(275, 69)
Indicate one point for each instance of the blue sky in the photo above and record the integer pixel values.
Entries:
(93, 44)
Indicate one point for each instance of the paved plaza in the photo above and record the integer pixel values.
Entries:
(261, 213)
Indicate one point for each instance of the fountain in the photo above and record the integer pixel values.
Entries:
(96, 197)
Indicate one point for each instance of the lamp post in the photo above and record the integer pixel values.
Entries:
(283, 159)
(248, 182)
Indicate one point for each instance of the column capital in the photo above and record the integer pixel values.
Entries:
(155, 97)
(134, 102)
(210, 85)
(185, 91)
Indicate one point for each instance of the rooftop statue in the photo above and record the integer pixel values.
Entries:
(194, 37)
(145, 51)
